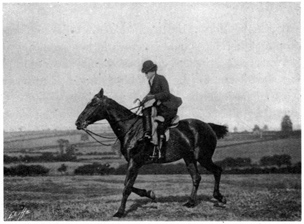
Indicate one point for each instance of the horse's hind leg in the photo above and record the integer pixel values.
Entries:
(144, 193)
(217, 171)
(196, 178)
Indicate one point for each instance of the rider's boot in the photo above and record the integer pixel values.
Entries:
(147, 125)
(161, 140)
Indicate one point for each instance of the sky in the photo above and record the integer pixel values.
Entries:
(236, 64)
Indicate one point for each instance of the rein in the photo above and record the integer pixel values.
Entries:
(91, 133)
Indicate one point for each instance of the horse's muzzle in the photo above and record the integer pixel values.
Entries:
(80, 125)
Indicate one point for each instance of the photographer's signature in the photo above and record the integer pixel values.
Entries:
(16, 216)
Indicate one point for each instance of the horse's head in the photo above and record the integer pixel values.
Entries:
(94, 111)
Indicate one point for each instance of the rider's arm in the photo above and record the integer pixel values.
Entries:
(165, 92)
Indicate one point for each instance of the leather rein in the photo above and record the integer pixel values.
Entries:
(92, 134)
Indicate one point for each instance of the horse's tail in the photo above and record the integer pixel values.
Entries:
(219, 130)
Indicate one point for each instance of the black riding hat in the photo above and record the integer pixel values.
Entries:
(148, 66)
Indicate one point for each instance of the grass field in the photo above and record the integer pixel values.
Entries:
(271, 197)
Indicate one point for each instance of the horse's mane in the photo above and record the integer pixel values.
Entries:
(122, 109)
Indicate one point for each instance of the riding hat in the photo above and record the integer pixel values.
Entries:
(148, 66)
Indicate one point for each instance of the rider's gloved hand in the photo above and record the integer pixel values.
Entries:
(147, 98)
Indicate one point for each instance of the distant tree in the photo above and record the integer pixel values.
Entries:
(62, 144)
(235, 162)
(257, 131)
(286, 124)
(11, 159)
(297, 167)
(266, 161)
(71, 150)
(228, 162)
(276, 160)
(24, 170)
(243, 162)
(93, 169)
(265, 128)
(280, 160)
(256, 128)
(235, 129)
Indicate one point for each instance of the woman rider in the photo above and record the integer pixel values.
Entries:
(166, 103)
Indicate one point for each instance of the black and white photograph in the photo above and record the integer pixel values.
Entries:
(151, 111)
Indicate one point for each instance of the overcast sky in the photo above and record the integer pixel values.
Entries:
(232, 63)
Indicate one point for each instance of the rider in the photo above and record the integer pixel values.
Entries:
(166, 104)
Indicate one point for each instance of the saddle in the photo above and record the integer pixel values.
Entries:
(155, 120)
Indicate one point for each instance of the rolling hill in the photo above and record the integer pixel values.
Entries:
(234, 145)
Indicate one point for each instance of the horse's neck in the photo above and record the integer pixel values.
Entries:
(120, 119)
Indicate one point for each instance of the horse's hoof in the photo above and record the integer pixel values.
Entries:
(220, 198)
(224, 201)
(189, 204)
(151, 195)
(118, 214)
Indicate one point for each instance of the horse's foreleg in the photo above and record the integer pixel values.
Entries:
(144, 193)
(196, 178)
(129, 181)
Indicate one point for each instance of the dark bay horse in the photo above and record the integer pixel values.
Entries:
(192, 140)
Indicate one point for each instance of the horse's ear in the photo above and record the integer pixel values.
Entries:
(101, 92)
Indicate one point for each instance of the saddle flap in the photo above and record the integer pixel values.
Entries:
(159, 118)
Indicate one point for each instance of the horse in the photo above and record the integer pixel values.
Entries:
(192, 140)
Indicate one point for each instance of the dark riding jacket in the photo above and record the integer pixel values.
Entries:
(160, 89)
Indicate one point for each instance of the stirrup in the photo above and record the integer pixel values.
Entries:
(154, 155)
(161, 154)
(146, 137)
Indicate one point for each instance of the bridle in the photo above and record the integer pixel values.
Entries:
(92, 134)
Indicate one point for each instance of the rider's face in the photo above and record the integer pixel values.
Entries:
(149, 75)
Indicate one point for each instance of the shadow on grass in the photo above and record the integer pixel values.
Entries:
(180, 199)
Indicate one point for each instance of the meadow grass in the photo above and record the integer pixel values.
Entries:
(273, 197)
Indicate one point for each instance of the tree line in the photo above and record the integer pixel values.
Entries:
(268, 164)
(286, 127)
(45, 157)
(275, 160)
